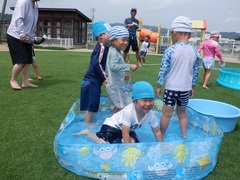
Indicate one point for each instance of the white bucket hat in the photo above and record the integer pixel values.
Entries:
(182, 24)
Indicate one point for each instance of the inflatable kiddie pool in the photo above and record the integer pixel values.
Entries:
(229, 77)
(176, 158)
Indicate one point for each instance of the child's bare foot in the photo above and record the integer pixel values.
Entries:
(101, 141)
(90, 125)
(205, 87)
(29, 85)
(85, 131)
(15, 85)
(30, 79)
(184, 136)
(40, 78)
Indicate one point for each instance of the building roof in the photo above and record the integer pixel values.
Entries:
(66, 10)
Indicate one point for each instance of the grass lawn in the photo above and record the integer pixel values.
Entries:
(30, 118)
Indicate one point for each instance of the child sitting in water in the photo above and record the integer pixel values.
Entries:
(121, 125)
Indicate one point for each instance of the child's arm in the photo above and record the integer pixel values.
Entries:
(40, 40)
(148, 47)
(165, 66)
(125, 134)
(158, 134)
(159, 90)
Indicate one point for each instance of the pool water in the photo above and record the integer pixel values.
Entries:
(176, 158)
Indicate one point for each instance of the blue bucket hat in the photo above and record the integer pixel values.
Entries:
(100, 27)
(141, 90)
(118, 32)
(182, 24)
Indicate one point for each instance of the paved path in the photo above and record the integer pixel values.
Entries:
(3, 47)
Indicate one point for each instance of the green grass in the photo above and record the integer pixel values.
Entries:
(30, 118)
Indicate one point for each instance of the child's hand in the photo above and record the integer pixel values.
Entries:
(192, 93)
(45, 36)
(133, 67)
(127, 78)
(158, 90)
(105, 82)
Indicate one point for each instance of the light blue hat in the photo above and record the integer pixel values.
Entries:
(100, 27)
(118, 32)
(141, 90)
(182, 24)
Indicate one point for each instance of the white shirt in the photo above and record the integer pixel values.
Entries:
(145, 46)
(128, 117)
(24, 20)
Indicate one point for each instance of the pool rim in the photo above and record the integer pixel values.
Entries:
(215, 115)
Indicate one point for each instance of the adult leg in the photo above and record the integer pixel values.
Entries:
(125, 56)
(126, 52)
(138, 59)
(166, 115)
(181, 112)
(128, 57)
(17, 68)
(25, 76)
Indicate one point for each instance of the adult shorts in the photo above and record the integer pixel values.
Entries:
(134, 44)
(21, 53)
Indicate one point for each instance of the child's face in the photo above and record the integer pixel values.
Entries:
(105, 38)
(144, 105)
(120, 43)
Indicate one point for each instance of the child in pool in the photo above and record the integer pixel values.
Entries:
(116, 67)
(95, 75)
(180, 65)
(121, 126)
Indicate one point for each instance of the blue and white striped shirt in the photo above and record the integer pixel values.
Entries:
(24, 20)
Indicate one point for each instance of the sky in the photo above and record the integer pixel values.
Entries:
(221, 15)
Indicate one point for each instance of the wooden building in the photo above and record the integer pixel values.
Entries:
(63, 23)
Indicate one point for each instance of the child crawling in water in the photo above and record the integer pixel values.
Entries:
(121, 126)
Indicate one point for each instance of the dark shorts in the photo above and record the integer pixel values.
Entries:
(21, 53)
(113, 135)
(143, 53)
(134, 44)
(171, 97)
(90, 96)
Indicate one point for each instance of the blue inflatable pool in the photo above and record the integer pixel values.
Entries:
(229, 77)
(176, 158)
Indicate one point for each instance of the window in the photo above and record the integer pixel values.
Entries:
(47, 27)
(76, 29)
(57, 28)
(67, 29)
